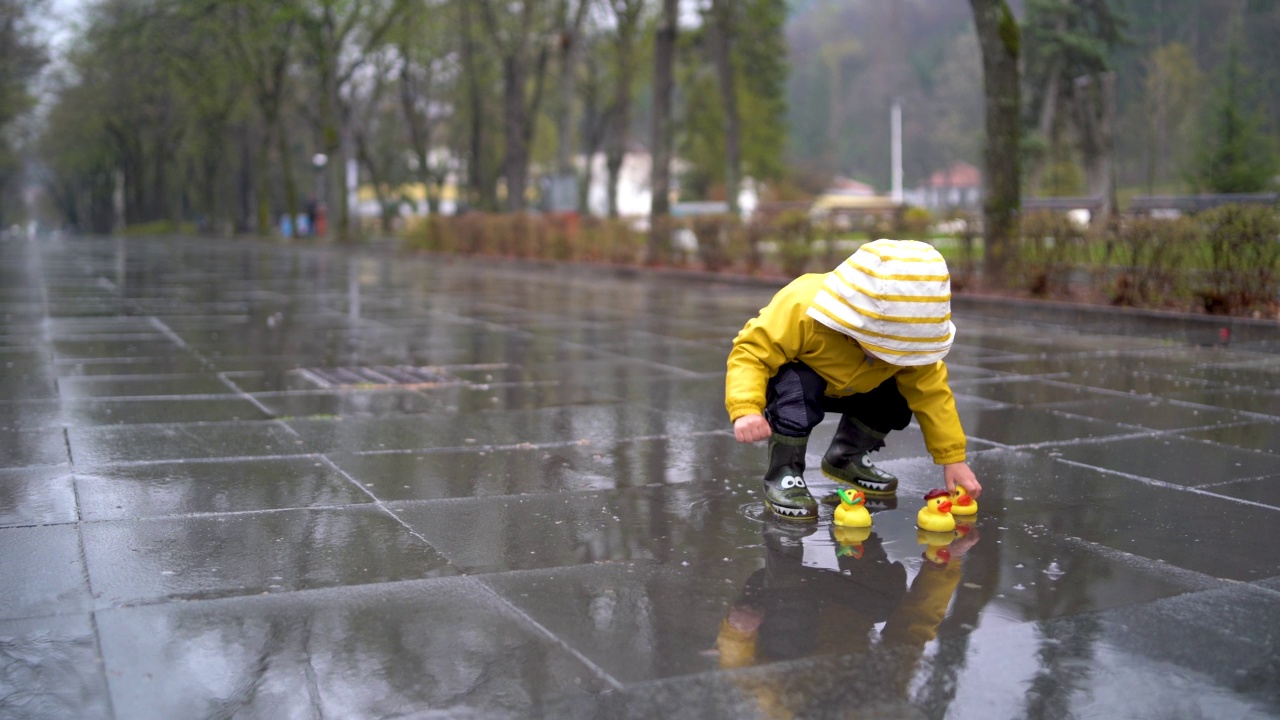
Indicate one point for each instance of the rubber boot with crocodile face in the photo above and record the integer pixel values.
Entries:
(785, 492)
(848, 459)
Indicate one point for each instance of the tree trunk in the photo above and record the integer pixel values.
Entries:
(664, 52)
(475, 110)
(514, 119)
(999, 39)
(1046, 128)
(722, 47)
(570, 41)
(1095, 108)
(286, 167)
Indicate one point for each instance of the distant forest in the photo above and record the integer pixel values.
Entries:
(850, 58)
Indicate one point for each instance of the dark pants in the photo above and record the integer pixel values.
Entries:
(796, 401)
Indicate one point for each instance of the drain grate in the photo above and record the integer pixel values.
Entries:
(378, 376)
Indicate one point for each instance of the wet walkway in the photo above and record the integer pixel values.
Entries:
(244, 480)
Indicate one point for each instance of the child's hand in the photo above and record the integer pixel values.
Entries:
(959, 474)
(750, 428)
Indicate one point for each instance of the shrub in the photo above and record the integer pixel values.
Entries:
(1049, 242)
(1242, 246)
(794, 233)
(718, 237)
(1152, 262)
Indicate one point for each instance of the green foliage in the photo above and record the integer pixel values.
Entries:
(1233, 156)
(759, 57)
(1152, 258)
(1242, 246)
(21, 59)
(1010, 34)
(1048, 245)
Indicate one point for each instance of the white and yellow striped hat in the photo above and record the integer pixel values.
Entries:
(894, 298)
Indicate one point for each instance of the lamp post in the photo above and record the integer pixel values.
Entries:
(318, 161)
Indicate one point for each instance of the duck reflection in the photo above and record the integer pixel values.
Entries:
(817, 599)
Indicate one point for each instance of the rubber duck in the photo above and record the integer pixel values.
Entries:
(936, 544)
(935, 516)
(852, 511)
(962, 504)
(849, 540)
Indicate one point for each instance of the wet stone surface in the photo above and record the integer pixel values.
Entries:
(199, 517)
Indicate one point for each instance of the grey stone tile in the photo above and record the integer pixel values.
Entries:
(53, 580)
(85, 413)
(154, 346)
(571, 423)
(693, 522)
(1260, 490)
(1139, 519)
(105, 445)
(30, 415)
(442, 646)
(134, 561)
(76, 388)
(138, 491)
(1257, 376)
(1150, 413)
(37, 496)
(19, 448)
(1173, 459)
(568, 468)
(183, 364)
(347, 403)
(1030, 426)
(1250, 400)
(1260, 436)
(1023, 392)
(50, 668)
(666, 617)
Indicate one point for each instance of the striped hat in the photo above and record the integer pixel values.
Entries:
(894, 298)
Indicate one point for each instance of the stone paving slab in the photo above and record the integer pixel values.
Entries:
(559, 524)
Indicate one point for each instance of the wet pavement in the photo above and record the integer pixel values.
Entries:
(251, 480)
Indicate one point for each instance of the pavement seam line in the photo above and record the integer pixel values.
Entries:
(1168, 485)
(588, 662)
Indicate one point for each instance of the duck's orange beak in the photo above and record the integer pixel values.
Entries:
(964, 500)
(944, 506)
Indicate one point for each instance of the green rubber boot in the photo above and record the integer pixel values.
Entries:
(785, 491)
(848, 459)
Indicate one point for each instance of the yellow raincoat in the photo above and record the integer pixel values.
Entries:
(784, 333)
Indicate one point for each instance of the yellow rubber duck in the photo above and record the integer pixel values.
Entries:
(849, 540)
(962, 504)
(936, 544)
(852, 511)
(935, 516)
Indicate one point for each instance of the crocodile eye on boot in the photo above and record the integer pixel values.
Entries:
(848, 459)
(785, 492)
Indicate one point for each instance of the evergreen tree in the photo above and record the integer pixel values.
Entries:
(1234, 157)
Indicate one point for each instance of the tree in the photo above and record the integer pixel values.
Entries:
(1233, 155)
(518, 35)
(664, 53)
(1068, 49)
(723, 24)
(427, 74)
(1170, 92)
(1000, 41)
(261, 36)
(21, 59)
(627, 15)
(341, 35)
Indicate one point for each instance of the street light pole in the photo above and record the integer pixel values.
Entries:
(319, 161)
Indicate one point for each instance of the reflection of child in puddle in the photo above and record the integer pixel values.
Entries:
(793, 609)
